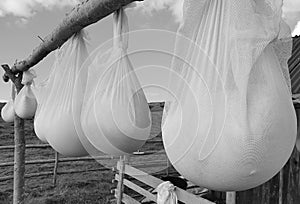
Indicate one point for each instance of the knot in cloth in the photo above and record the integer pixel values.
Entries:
(28, 77)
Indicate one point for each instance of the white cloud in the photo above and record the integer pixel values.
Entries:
(26, 8)
(291, 9)
(297, 29)
(291, 5)
(291, 14)
(175, 6)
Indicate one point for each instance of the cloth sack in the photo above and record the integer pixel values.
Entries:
(233, 125)
(25, 103)
(60, 99)
(8, 111)
(115, 114)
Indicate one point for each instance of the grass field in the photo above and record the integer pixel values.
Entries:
(88, 187)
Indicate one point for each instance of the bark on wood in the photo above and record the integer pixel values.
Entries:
(55, 168)
(19, 154)
(120, 187)
(84, 14)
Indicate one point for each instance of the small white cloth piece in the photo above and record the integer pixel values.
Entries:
(166, 193)
(25, 104)
(8, 112)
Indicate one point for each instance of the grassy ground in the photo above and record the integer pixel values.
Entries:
(88, 187)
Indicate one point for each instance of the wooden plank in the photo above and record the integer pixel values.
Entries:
(154, 182)
(230, 198)
(140, 175)
(128, 200)
(120, 187)
(137, 189)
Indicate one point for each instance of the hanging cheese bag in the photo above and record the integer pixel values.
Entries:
(115, 115)
(25, 103)
(8, 111)
(233, 125)
(55, 118)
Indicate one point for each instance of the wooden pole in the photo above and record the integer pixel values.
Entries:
(168, 166)
(120, 186)
(230, 198)
(55, 168)
(280, 193)
(19, 153)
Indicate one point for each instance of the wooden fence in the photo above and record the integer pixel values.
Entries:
(151, 181)
(56, 161)
(284, 188)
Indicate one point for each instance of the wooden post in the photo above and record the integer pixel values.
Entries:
(120, 186)
(280, 193)
(55, 168)
(230, 198)
(19, 153)
(168, 165)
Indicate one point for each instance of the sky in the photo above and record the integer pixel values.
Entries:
(22, 21)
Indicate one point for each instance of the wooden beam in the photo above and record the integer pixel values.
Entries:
(84, 14)
(154, 182)
(138, 189)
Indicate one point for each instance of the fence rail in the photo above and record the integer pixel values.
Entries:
(57, 160)
(32, 146)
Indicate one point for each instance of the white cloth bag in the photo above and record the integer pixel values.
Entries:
(115, 115)
(25, 103)
(8, 111)
(60, 99)
(233, 125)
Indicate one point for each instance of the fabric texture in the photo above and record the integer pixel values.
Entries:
(8, 111)
(115, 115)
(166, 193)
(57, 113)
(233, 125)
(25, 103)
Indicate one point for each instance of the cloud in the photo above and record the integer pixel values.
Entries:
(291, 14)
(27, 8)
(175, 6)
(291, 5)
(297, 29)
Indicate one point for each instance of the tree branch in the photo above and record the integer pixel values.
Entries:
(84, 14)
(8, 74)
